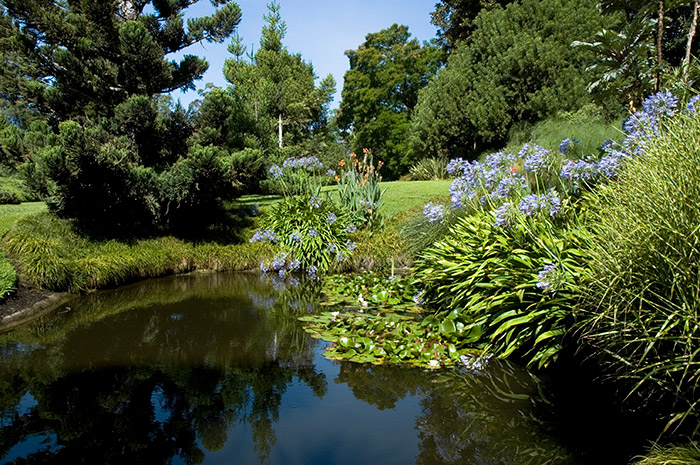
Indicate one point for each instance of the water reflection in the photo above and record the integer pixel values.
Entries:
(217, 369)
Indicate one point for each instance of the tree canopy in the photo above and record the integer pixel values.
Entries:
(380, 91)
(120, 161)
(517, 66)
(273, 91)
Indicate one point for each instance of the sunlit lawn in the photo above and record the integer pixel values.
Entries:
(11, 213)
(399, 195)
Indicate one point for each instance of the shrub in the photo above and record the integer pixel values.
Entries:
(311, 232)
(510, 287)
(53, 256)
(359, 189)
(643, 292)
(429, 169)
(8, 197)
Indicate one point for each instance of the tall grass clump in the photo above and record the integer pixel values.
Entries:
(52, 255)
(429, 169)
(643, 292)
(687, 454)
(587, 126)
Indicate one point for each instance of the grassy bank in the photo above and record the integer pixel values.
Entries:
(9, 214)
(52, 255)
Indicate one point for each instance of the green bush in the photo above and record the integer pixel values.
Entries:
(429, 169)
(643, 294)
(8, 197)
(510, 289)
(586, 125)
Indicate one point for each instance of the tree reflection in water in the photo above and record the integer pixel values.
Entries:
(169, 371)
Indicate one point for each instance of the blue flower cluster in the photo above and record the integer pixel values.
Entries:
(276, 171)
(567, 144)
(548, 202)
(315, 201)
(263, 236)
(537, 159)
(331, 218)
(546, 278)
(434, 212)
(307, 163)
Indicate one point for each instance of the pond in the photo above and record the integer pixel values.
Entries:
(216, 368)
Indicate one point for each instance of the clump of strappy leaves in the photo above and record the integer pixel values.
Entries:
(375, 320)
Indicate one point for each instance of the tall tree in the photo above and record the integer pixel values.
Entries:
(274, 88)
(517, 66)
(91, 55)
(380, 91)
(454, 19)
(97, 69)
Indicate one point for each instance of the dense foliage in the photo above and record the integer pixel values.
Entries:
(643, 291)
(380, 91)
(118, 158)
(517, 66)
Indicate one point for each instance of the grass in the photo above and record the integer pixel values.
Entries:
(643, 292)
(399, 196)
(9, 214)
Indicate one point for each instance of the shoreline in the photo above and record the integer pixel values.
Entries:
(28, 303)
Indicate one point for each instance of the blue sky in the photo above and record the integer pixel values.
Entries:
(321, 30)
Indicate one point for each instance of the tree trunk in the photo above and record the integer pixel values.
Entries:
(659, 42)
(279, 129)
(689, 45)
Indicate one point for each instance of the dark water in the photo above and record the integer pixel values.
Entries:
(217, 369)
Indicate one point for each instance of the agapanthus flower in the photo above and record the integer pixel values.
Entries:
(331, 218)
(331, 173)
(294, 265)
(503, 215)
(419, 299)
(691, 107)
(545, 277)
(282, 273)
(566, 145)
(279, 261)
(510, 185)
(276, 171)
(258, 236)
(434, 212)
(662, 103)
(295, 236)
(264, 267)
(311, 272)
(271, 236)
(456, 166)
(351, 228)
(313, 232)
(315, 201)
(350, 245)
(535, 159)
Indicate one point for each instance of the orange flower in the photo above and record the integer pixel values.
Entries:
(359, 167)
(341, 162)
(337, 179)
(362, 183)
(380, 163)
(365, 150)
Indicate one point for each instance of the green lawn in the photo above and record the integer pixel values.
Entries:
(399, 195)
(11, 213)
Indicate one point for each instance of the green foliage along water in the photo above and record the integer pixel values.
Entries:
(210, 367)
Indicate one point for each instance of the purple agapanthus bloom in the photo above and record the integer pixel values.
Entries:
(434, 212)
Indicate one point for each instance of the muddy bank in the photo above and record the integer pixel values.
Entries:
(28, 303)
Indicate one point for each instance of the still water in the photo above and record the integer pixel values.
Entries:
(216, 369)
